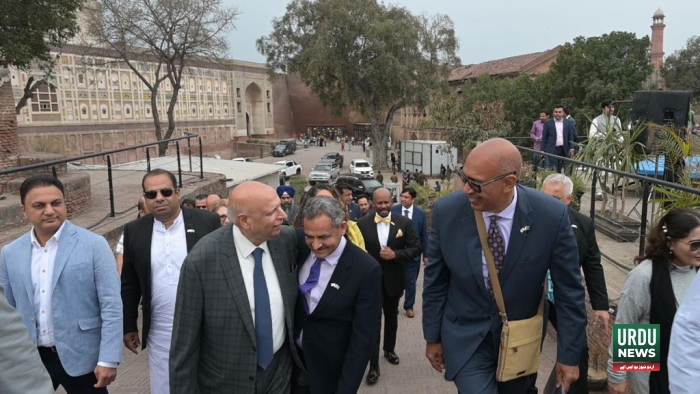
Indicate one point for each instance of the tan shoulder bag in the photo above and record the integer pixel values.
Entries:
(521, 340)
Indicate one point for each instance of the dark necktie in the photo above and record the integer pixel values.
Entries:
(497, 246)
(311, 282)
(405, 212)
(263, 316)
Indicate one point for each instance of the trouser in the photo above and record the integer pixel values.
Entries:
(536, 161)
(390, 307)
(478, 375)
(581, 385)
(412, 270)
(277, 378)
(83, 384)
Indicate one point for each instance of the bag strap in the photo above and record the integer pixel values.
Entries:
(493, 274)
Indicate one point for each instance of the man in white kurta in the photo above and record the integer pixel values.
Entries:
(168, 251)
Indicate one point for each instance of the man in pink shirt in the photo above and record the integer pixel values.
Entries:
(536, 135)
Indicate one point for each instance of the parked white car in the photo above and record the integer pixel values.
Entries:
(362, 167)
(242, 159)
(290, 168)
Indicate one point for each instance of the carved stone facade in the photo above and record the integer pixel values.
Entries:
(93, 103)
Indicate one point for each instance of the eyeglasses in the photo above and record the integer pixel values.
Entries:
(166, 192)
(694, 245)
(223, 217)
(476, 185)
(201, 207)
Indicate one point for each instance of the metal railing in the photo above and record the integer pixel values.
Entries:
(646, 183)
(107, 154)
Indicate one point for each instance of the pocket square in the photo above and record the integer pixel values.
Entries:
(399, 234)
(190, 230)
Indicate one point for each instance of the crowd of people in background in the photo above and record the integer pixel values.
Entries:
(279, 290)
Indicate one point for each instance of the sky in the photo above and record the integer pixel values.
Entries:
(490, 30)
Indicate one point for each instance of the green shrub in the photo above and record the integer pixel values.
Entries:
(299, 183)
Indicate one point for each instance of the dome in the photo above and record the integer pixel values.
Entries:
(659, 14)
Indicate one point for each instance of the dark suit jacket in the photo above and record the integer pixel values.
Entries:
(136, 270)
(339, 333)
(407, 247)
(354, 211)
(457, 307)
(213, 346)
(589, 260)
(549, 136)
(420, 223)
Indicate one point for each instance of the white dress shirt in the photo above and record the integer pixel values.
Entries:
(168, 251)
(244, 251)
(43, 263)
(382, 231)
(410, 212)
(559, 125)
(505, 224)
(683, 361)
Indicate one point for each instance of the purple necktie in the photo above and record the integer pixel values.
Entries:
(497, 246)
(311, 282)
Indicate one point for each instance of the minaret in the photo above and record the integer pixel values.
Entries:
(657, 45)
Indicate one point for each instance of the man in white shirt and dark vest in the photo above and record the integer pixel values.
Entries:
(63, 280)
(155, 246)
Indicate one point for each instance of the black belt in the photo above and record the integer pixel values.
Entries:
(51, 349)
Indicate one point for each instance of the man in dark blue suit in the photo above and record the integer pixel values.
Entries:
(345, 192)
(558, 137)
(461, 322)
(337, 314)
(420, 224)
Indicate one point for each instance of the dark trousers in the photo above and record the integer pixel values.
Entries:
(478, 375)
(581, 385)
(390, 307)
(59, 376)
(412, 270)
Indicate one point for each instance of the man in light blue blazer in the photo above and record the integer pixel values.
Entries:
(63, 280)
(420, 224)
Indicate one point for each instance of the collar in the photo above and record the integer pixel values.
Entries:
(55, 236)
(509, 211)
(410, 209)
(334, 257)
(179, 219)
(244, 245)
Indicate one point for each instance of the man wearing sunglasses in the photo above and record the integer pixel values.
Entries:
(155, 246)
(461, 321)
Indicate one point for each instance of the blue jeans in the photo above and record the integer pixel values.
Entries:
(412, 270)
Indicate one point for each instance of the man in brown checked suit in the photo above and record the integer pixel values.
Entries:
(235, 303)
(391, 239)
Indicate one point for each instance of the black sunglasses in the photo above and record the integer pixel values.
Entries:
(476, 185)
(166, 192)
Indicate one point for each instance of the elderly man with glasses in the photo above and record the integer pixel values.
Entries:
(528, 235)
(155, 246)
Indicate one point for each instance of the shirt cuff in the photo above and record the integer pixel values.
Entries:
(107, 364)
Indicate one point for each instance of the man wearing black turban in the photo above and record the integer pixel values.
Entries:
(286, 195)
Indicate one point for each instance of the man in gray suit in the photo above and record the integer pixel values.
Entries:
(21, 370)
(235, 302)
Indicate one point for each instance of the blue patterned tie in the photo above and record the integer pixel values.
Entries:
(311, 282)
(263, 316)
(497, 246)
(405, 212)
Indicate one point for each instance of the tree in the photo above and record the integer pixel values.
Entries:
(28, 30)
(592, 69)
(681, 71)
(376, 57)
(168, 34)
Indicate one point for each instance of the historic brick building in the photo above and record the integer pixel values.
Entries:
(92, 103)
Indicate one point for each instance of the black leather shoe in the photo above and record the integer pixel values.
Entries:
(373, 375)
(392, 358)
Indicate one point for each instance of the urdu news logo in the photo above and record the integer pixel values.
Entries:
(636, 347)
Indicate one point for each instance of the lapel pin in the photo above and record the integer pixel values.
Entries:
(574, 226)
(525, 230)
(335, 286)
(190, 230)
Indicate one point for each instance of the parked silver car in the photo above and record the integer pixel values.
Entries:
(325, 171)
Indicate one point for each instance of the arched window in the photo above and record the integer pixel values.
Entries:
(104, 111)
(84, 111)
